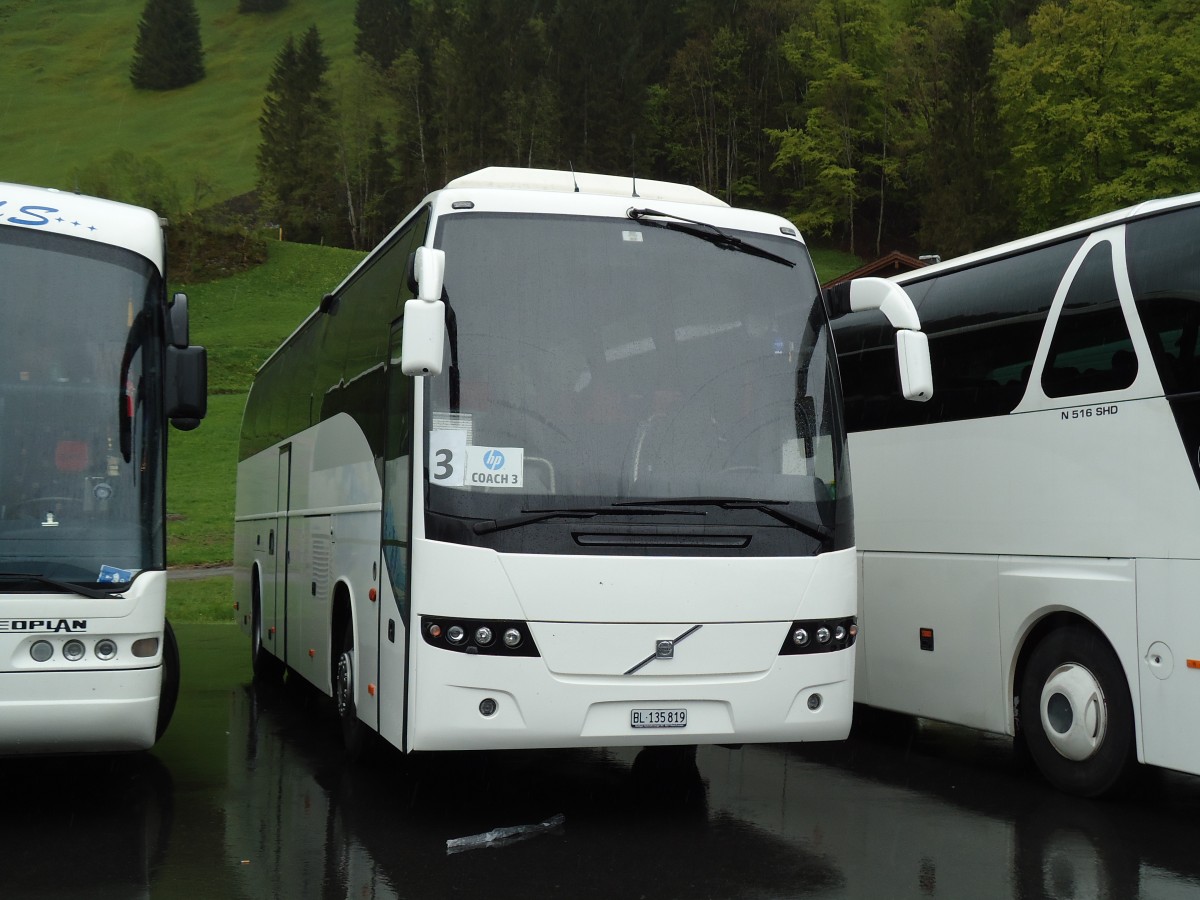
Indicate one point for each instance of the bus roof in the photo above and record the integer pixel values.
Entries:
(80, 216)
(506, 178)
(1054, 236)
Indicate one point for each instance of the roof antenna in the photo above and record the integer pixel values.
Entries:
(571, 166)
(633, 161)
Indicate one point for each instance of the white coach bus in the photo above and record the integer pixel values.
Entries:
(1035, 572)
(619, 513)
(94, 361)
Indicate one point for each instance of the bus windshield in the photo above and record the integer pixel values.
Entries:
(80, 443)
(599, 361)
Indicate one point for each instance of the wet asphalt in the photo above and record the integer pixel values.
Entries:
(248, 796)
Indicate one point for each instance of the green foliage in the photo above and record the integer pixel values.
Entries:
(1099, 106)
(836, 49)
(201, 243)
(140, 180)
(948, 130)
(168, 53)
(261, 6)
(68, 101)
(380, 26)
(296, 179)
(201, 247)
(927, 125)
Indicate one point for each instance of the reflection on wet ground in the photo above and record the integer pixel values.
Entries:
(248, 796)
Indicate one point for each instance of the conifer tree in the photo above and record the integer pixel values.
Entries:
(381, 26)
(296, 157)
(168, 53)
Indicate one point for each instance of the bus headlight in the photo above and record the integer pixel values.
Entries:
(819, 636)
(106, 649)
(73, 650)
(41, 651)
(479, 636)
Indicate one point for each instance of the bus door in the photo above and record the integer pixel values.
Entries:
(276, 592)
(394, 548)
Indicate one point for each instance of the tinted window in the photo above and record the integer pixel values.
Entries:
(334, 363)
(1091, 350)
(1164, 271)
(984, 324)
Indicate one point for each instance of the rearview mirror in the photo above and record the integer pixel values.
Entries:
(424, 333)
(912, 345)
(423, 338)
(186, 386)
(916, 370)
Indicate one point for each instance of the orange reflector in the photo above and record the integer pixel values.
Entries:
(371, 593)
(1194, 663)
(312, 652)
(237, 604)
(926, 632)
(371, 689)
(271, 630)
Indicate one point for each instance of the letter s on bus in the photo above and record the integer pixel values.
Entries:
(33, 211)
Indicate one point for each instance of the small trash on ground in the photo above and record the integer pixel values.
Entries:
(502, 837)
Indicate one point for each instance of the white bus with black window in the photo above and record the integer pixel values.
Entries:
(94, 361)
(561, 463)
(1035, 572)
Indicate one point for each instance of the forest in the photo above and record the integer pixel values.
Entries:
(934, 126)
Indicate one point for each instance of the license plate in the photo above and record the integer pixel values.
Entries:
(658, 718)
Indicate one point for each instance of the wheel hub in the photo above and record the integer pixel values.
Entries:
(345, 682)
(1074, 713)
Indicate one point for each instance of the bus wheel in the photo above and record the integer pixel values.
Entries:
(169, 692)
(354, 735)
(267, 668)
(1076, 714)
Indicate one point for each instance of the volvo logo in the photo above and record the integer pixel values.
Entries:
(664, 649)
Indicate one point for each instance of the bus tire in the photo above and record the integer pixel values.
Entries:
(266, 667)
(354, 733)
(168, 693)
(1076, 713)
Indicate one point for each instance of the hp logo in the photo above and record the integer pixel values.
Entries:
(493, 460)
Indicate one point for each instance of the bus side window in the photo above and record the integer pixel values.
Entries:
(984, 324)
(1164, 272)
(1091, 350)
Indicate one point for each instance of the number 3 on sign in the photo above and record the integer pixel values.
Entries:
(447, 458)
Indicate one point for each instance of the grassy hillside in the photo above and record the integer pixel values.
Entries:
(67, 100)
(241, 320)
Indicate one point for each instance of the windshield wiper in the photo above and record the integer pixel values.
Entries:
(706, 232)
(66, 586)
(770, 507)
(529, 516)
